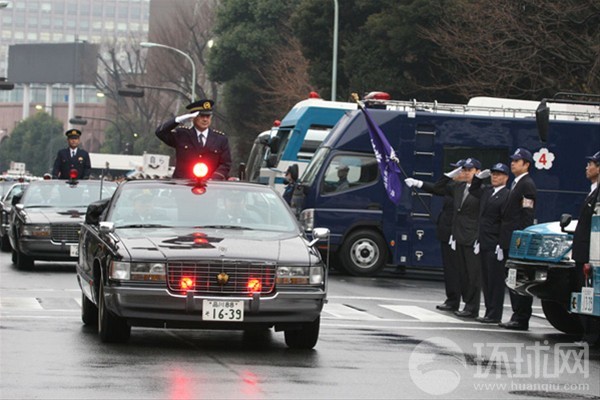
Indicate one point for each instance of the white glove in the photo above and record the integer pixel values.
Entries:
(452, 242)
(499, 253)
(476, 247)
(483, 174)
(454, 173)
(181, 118)
(410, 182)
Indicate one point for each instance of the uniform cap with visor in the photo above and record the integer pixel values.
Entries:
(595, 158)
(204, 106)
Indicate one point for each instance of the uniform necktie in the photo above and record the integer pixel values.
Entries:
(512, 186)
(465, 194)
(72, 153)
(201, 139)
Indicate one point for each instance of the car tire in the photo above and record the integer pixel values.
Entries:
(89, 311)
(111, 328)
(363, 253)
(23, 261)
(561, 319)
(304, 338)
(14, 256)
(5, 243)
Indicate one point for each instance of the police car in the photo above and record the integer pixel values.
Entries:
(197, 254)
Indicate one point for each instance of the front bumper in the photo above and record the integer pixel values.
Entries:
(157, 307)
(552, 282)
(48, 250)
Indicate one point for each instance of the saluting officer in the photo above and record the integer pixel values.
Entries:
(72, 158)
(200, 143)
(518, 214)
(492, 200)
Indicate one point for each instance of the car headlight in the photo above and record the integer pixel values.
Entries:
(126, 271)
(307, 219)
(292, 275)
(554, 246)
(36, 230)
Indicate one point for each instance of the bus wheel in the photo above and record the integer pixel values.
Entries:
(561, 319)
(363, 253)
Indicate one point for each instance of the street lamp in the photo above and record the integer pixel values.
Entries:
(151, 44)
(82, 120)
(5, 85)
(133, 90)
(4, 4)
(336, 18)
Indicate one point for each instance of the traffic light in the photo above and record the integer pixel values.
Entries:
(128, 148)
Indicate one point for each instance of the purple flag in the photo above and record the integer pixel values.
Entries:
(386, 158)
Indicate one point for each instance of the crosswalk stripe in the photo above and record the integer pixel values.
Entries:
(344, 312)
(421, 314)
(25, 303)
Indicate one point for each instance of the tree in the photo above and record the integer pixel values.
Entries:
(34, 141)
(524, 49)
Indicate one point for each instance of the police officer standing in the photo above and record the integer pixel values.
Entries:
(72, 158)
(200, 143)
(518, 214)
(581, 237)
(492, 200)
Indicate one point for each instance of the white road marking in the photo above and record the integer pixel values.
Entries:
(422, 314)
(24, 303)
(342, 311)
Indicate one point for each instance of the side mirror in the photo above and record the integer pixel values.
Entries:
(274, 144)
(319, 234)
(94, 210)
(565, 220)
(272, 161)
(542, 118)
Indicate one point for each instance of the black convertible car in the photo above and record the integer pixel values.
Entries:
(215, 255)
(46, 219)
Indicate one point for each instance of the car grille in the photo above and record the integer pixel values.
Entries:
(65, 232)
(205, 276)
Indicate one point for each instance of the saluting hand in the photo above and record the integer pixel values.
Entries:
(181, 118)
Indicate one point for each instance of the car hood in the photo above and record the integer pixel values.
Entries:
(40, 215)
(186, 244)
(549, 228)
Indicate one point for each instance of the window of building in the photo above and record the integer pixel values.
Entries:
(72, 8)
(57, 22)
(122, 26)
(32, 36)
(109, 25)
(45, 36)
(46, 7)
(45, 22)
(57, 37)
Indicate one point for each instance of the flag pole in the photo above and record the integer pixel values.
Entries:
(397, 160)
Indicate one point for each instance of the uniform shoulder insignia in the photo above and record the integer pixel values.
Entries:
(218, 132)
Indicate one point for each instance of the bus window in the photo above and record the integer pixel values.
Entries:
(347, 172)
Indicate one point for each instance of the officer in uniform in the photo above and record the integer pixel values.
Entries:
(581, 238)
(492, 199)
(72, 158)
(518, 214)
(200, 143)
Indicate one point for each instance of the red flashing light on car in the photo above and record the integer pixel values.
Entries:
(73, 174)
(276, 123)
(378, 96)
(254, 285)
(314, 95)
(187, 283)
(200, 170)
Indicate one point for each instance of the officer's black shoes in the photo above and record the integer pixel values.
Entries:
(514, 325)
(487, 320)
(446, 307)
(465, 314)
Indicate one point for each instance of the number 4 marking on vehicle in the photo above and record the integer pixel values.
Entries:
(543, 158)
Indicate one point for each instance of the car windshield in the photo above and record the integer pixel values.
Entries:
(58, 193)
(219, 207)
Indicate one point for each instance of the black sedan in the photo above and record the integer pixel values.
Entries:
(46, 219)
(220, 255)
(16, 189)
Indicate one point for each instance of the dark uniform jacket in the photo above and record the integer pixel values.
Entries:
(519, 210)
(65, 163)
(490, 213)
(189, 151)
(444, 219)
(581, 238)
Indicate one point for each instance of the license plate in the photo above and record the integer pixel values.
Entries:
(220, 310)
(74, 250)
(511, 281)
(587, 300)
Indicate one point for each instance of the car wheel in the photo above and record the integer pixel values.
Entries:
(5, 243)
(304, 338)
(23, 261)
(14, 256)
(363, 253)
(561, 319)
(111, 328)
(89, 311)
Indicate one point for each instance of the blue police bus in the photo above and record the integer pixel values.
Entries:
(369, 232)
(293, 140)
